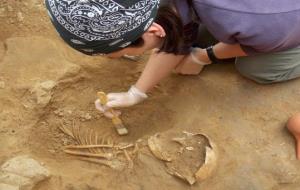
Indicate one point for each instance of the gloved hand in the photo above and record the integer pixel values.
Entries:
(192, 64)
(122, 99)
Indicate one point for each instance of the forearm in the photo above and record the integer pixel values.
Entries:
(224, 51)
(159, 66)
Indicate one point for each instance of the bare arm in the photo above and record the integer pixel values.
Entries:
(159, 66)
(221, 51)
(224, 51)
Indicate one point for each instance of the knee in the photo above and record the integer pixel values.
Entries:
(255, 73)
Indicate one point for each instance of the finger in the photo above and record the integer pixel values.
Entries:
(99, 106)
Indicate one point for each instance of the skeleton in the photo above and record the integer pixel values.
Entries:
(93, 148)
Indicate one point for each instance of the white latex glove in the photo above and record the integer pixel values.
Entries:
(192, 65)
(122, 99)
(126, 99)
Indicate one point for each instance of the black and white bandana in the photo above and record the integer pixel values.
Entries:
(101, 26)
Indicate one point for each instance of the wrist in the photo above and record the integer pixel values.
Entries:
(201, 55)
(137, 92)
(211, 55)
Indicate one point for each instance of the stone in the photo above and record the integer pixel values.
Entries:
(59, 112)
(8, 187)
(21, 173)
(87, 116)
(2, 12)
(16, 180)
(20, 17)
(42, 92)
(26, 167)
(47, 85)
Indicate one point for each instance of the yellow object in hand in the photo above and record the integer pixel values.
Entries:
(121, 129)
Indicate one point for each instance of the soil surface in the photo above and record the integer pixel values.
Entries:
(45, 84)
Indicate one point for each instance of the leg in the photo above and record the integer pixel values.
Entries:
(271, 67)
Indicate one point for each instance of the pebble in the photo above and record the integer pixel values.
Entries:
(88, 116)
(52, 151)
(2, 84)
(48, 85)
(189, 148)
(20, 17)
(59, 112)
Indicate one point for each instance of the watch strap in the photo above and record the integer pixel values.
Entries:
(211, 55)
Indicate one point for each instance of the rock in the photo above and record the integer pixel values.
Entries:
(59, 112)
(17, 180)
(8, 187)
(42, 92)
(21, 173)
(87, 116)
(48, 85)
(25, 166)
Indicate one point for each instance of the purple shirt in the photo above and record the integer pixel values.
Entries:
(258, 25)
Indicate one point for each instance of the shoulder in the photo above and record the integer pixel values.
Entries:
(251, 6)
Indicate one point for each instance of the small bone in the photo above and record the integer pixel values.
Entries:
(76, 132)
(121, 147)
(66, 130)
(89, 146)
(130, 162)
(114, 164)
(85, 134)
(104, 142)
(180, 140)
(136, 148)
(156, 149)
(89, 140)
(99, 155)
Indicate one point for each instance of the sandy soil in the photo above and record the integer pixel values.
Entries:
(245, 120)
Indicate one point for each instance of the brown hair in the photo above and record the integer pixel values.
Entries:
(169, 19)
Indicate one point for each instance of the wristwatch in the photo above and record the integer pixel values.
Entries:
(211, 55)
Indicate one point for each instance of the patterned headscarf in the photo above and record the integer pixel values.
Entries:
(101, 26)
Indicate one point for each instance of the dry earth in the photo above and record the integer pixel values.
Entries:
(44, 84)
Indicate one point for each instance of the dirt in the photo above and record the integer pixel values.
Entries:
(45, 84)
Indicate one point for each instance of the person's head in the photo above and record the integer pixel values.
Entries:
(117, 27)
